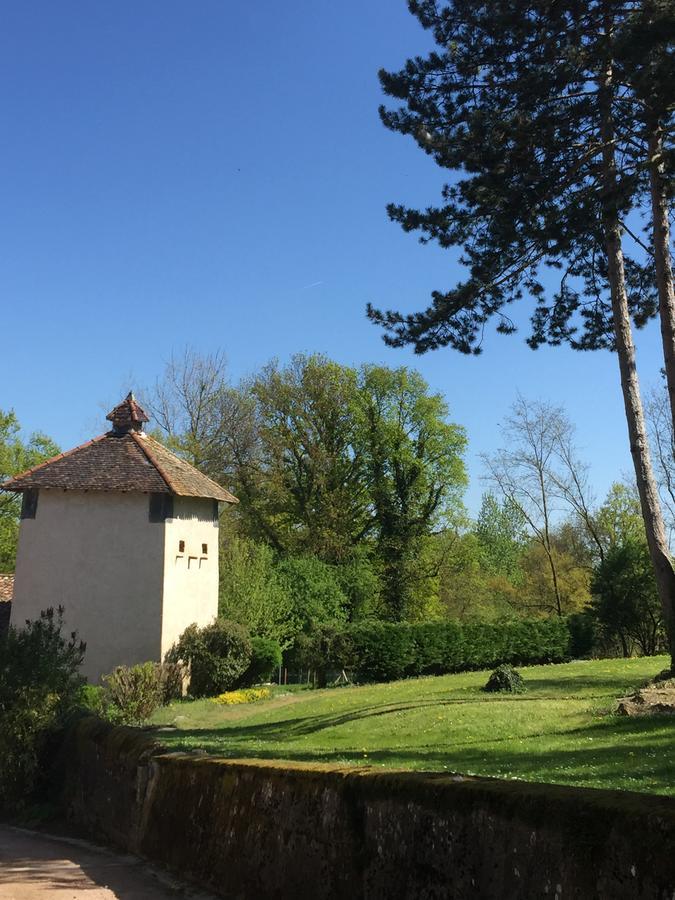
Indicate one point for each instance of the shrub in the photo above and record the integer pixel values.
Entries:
(39, 683)
(172, 679)
(265, 660)
(382, 651)
(379, 651)
(584, 636)
(324, 648)
(246, 695)
(505, 679)
(92, 698)
(133, 693)
(217, 656)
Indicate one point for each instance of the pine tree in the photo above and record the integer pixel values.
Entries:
(526, 98)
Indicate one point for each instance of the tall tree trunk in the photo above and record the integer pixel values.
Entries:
(662, 260)
(637, 431)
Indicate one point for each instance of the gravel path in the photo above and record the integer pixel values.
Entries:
(36, 865)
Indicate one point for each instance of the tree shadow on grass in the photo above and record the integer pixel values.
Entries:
(633, 754)
(302, 726)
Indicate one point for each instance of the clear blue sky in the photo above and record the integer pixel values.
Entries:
(216, 174)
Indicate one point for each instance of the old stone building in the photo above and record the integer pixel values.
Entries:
(124, 535)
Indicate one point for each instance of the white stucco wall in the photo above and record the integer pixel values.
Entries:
(190, 575)
(99, 556)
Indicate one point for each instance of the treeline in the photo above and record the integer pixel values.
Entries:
(351, 484)
(344, 476)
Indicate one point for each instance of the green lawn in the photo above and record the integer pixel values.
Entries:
(561, 730)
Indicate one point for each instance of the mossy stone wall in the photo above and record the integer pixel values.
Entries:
(254, 829)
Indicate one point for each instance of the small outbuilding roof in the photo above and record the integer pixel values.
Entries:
(126, 460)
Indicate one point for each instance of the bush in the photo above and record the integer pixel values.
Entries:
(584, 634)
(506, 680)
(133, 693)
(217, 656)
(91, 697)
(39, 684)
(324, 648)
(380, 651)
(265, 660)
(247, 695)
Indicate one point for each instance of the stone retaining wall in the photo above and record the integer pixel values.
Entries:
(254, 829)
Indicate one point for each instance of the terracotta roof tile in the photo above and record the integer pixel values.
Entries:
(108, 463)
(182, 478)
(129, 462)
(127, 415)
(125, 460)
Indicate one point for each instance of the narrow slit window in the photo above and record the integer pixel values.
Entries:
(181, 546)
(29, 503)
(205, 549)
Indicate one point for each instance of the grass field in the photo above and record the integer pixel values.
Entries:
(561, 730)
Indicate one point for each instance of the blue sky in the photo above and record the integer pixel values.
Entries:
(216, 174)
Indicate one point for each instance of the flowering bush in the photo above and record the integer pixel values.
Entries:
(246, 695)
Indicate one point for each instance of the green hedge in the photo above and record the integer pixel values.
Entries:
(381, 651)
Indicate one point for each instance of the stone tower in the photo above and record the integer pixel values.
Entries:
(124, 535)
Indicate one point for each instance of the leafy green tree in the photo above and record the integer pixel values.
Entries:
(16, 455)
(303, 487)
(529, 101)
(415, 475)
(537, 592)
(251, 592)
(625, 598)
(646, 69)
(314, 594)
(360, 582)
(500, 529)
(619, 519)
(468, 590)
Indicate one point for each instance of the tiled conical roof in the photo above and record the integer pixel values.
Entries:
(126, 460)
(127, 415)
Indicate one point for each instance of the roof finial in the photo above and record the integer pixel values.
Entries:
(127, 416)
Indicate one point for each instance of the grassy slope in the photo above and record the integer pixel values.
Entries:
(559, 731)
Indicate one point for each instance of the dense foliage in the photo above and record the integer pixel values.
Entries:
(39, 684)
(505, 680)
(265, 661)
(16, 455)
(217, 656)
(625, 600)
(130, 694)
(355, 468)
(383, 651)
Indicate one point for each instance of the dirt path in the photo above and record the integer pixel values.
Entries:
(34, 865)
